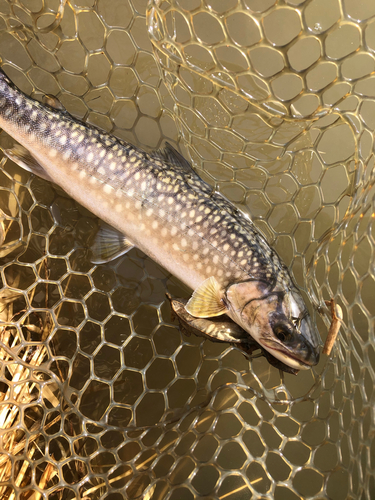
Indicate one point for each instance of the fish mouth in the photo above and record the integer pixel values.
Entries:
(294, 344)
(307, 359)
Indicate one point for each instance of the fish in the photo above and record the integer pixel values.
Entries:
(159, 204)
(222, 329)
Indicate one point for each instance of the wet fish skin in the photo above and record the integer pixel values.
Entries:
(222, 330)
(172, 215)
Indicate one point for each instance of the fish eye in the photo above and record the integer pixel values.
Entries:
(282, 332)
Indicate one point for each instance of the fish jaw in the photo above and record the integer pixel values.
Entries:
(299, 354)
(278, 320)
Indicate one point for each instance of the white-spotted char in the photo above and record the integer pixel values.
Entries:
(165, 209)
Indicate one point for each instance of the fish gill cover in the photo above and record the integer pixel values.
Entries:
(101, 395)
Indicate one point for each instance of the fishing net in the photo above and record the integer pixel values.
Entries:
(101, 395)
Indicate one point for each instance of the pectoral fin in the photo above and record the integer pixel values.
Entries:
(206, 300)
(223, 330)
(108, 245)
(215, 329)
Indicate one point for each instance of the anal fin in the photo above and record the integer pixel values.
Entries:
(22, 157)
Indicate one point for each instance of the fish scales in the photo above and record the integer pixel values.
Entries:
(165, 209)
(198, 232)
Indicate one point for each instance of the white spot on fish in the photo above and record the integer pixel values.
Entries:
(107, 188)
(154, 224)
(90, 156)
(63, 140)
(101, 170)
(52, 153)
(174, 231)
(82, 174)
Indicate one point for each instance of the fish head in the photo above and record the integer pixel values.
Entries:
(277, 319)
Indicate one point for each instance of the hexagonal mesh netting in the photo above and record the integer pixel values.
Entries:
(101, 395)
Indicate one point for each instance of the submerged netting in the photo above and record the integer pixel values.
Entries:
(101, 395)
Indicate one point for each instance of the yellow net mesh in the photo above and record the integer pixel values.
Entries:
(101, 395)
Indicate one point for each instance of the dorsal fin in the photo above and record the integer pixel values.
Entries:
(170, 155)
(53, 102)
